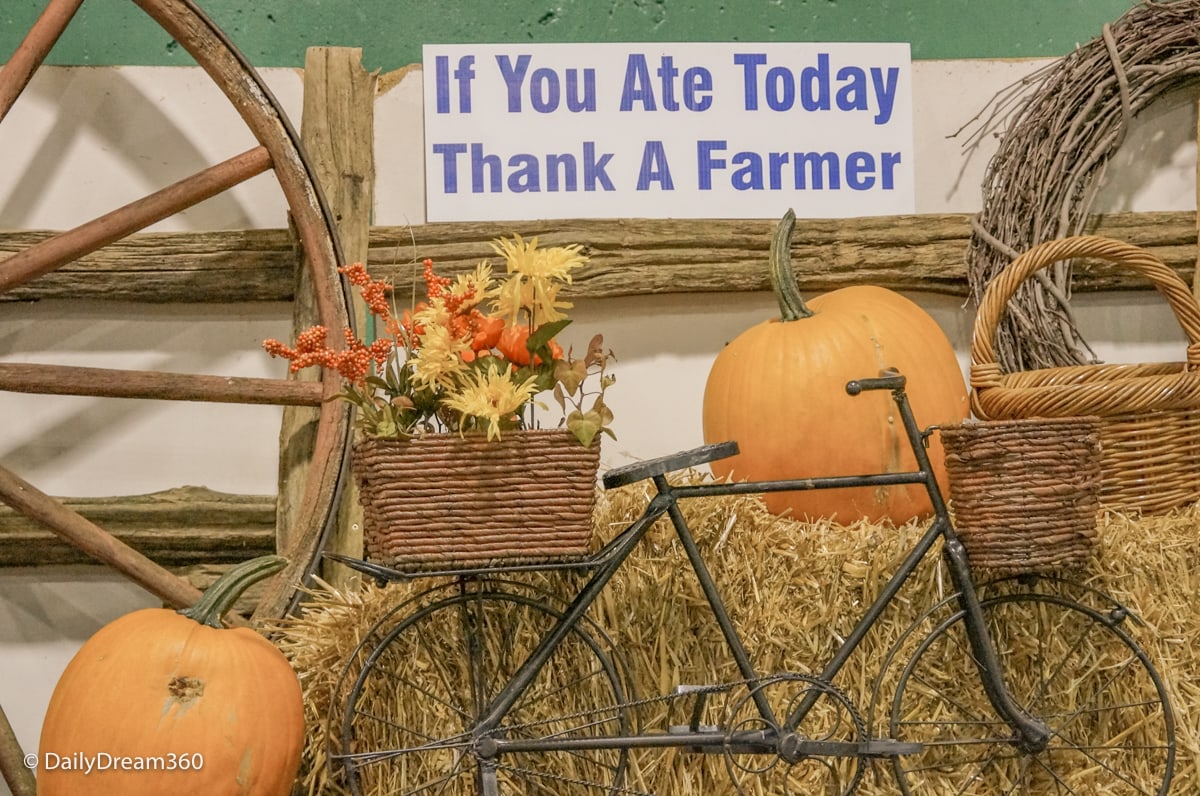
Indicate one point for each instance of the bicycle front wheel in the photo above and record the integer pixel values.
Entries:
(1074, 668)
(409, 723)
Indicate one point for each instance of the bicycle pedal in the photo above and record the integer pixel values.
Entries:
(701, 692)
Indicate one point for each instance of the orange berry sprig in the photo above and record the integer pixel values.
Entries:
(374, 291)
(435, 285)
(354, 363)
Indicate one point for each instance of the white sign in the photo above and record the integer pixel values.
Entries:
(533, 131)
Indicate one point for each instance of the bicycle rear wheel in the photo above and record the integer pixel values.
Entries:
(407, 725)
(1073, 667)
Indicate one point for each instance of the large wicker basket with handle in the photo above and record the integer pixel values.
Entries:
(1149, 413)
(444, 501)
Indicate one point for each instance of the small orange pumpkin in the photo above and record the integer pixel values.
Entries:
(778, 390)
(169, 702)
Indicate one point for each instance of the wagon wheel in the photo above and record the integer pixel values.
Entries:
(279, 151)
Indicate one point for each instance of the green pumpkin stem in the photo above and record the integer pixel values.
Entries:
(221, 596)
(783, 279)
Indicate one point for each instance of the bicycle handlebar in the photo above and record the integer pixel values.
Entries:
(889, 379)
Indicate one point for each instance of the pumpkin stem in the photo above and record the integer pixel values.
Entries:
(783, 279)
(221, 596)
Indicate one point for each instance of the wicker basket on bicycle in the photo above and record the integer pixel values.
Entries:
(445, 501)
(1025, 492)
(1149, 413)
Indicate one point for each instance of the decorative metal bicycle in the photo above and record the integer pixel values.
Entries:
(1070, 696)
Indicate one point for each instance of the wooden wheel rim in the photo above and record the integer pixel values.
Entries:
(279, 150)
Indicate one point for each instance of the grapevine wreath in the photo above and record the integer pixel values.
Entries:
(1064, 122)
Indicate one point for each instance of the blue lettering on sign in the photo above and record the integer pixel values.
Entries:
(637, 84)
(593, 169)
(449, 153)
(464, 74)
(654, 168)
(561, 166)
(691, 89)
(780, 89)
(546, 88)
(484, 165)
(752, 171)
(818, 170)
(707, 162)
(523, 172)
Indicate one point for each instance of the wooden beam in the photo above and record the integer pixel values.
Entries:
(93, 540)
(181, 527)
(52, 253)
(629, 256)
(166, 267)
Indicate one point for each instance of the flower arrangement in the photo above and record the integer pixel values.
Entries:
(473, 357)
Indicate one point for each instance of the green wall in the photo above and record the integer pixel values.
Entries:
(276, 32)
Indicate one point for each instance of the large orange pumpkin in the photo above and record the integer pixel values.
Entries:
(778, 390)
(160, 702)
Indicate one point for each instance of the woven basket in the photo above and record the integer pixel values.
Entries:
(1025, 492)
(1149, 414)
(446, 501)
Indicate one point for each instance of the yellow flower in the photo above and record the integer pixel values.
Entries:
(473, 287)
(525, 258)
(535, 277)
(439, 359)
(432, 315)
(489, 394)
(537, 297)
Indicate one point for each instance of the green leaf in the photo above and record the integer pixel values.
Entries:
(602, 411)
(570, 375)
(584, 427)
(544, 334)
(356, 398)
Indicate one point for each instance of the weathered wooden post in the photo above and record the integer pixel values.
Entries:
(338, 132)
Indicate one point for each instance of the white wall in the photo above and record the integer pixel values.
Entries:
(82, 141)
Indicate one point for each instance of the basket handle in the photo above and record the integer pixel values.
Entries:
(1004, 286)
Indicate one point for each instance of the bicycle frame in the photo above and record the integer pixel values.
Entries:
(1029, 733)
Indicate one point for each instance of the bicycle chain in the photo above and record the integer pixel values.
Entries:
(722, 688)
(637, 703)
(725, 688)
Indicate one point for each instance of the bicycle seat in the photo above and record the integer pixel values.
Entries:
(637, 471)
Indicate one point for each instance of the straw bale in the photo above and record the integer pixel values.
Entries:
(795, 590)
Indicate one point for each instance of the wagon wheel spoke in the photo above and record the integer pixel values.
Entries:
(66, 247)
(115, 383)
(277, 151)
(32, 50)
